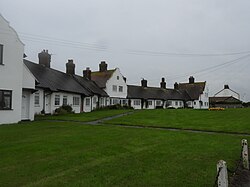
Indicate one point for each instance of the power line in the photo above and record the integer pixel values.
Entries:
(97, 47)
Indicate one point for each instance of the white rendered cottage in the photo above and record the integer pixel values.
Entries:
(17, 84)
(112, 82)
(197, 93)
(56, 88)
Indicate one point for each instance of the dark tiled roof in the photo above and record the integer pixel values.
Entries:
(90, 85)
(101, 78)
(139, 92)
(224, 100)
(193, 89)
(55, 80)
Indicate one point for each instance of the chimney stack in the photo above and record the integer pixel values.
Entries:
(226, 86)
(163, 83)
(176, 86)
(87, 73)
(191, 80)
(144, 83)
(44, 58)
(70, 67)
(103, 66)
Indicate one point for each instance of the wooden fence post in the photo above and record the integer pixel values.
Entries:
(245, 154)
(222, 174)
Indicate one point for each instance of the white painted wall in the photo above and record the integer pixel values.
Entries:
(11, 72)
(203, 102)
(227, 93)
(136, 103)
(114, 80)
(175, 104)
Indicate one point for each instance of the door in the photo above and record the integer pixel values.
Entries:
(25, 106)
(48, 104)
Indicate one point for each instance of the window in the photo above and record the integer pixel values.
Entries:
(37, 99)
(158, 103)
(87, 101)
(76, 101)
(194, 103)
(120, 89)
(114, 88)
(137, 102)
(118, 77)
(57, 100)
(124, 102)
(176, 103)
(150, 102)
(65, 100)
(94, 100)
(1, 54)
(5, 99)
(180, 103)
(169, 103)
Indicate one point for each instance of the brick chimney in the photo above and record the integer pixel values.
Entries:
(103, 66)
(144, 83)
(70, 67)
(163, 83)
(87, 73)
(44, 58)
(176, 86)
(191, 80)
(226, 86)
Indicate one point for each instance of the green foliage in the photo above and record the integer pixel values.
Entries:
(65, 109)
(115, 107)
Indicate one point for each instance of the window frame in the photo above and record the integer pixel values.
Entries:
(120, 89)
(65, 98)
(57, 100)
(4, 95)
(76, 101)
(1, 54)
(37, 98)
(114, 88)
(87, 102)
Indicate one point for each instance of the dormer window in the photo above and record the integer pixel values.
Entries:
(1, 54)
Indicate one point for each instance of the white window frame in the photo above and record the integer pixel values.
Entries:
(57, 100)
(114, 88)
(37, 99)
(76, 101)
(120, 88)
(87, 101)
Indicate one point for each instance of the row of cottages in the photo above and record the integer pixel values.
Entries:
(192, 95)
(55, 88)
(226, 98)
(17, 83)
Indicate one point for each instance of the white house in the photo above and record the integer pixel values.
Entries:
(197, 93)
(56, 88)
(112, 82)
(13, 86)
(144, 97)
(227, 92)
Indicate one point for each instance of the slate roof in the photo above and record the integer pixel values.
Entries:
(55, 80)
(193, 89)
(139, 92)
(224, 100)
(90, 85)
(101, 78)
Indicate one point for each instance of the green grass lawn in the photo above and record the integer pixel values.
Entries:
(84, 117)
(69, 154)
(229, 120)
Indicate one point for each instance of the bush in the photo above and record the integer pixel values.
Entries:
(65, 109)
(115, 107)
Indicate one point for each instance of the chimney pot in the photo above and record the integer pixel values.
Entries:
(226, 86)
(70, 67)
(163, 83)
(103, 66)
(176, 86)
(44, 58)
(87, 73)
(191, 80)
(144, 83)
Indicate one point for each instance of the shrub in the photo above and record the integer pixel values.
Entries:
(65, 109)
(115, 107)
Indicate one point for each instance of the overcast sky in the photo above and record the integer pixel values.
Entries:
(150, 39)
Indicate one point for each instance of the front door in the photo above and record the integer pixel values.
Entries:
(48, 104)
(25, 106)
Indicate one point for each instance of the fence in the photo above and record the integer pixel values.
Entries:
(222, 170)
